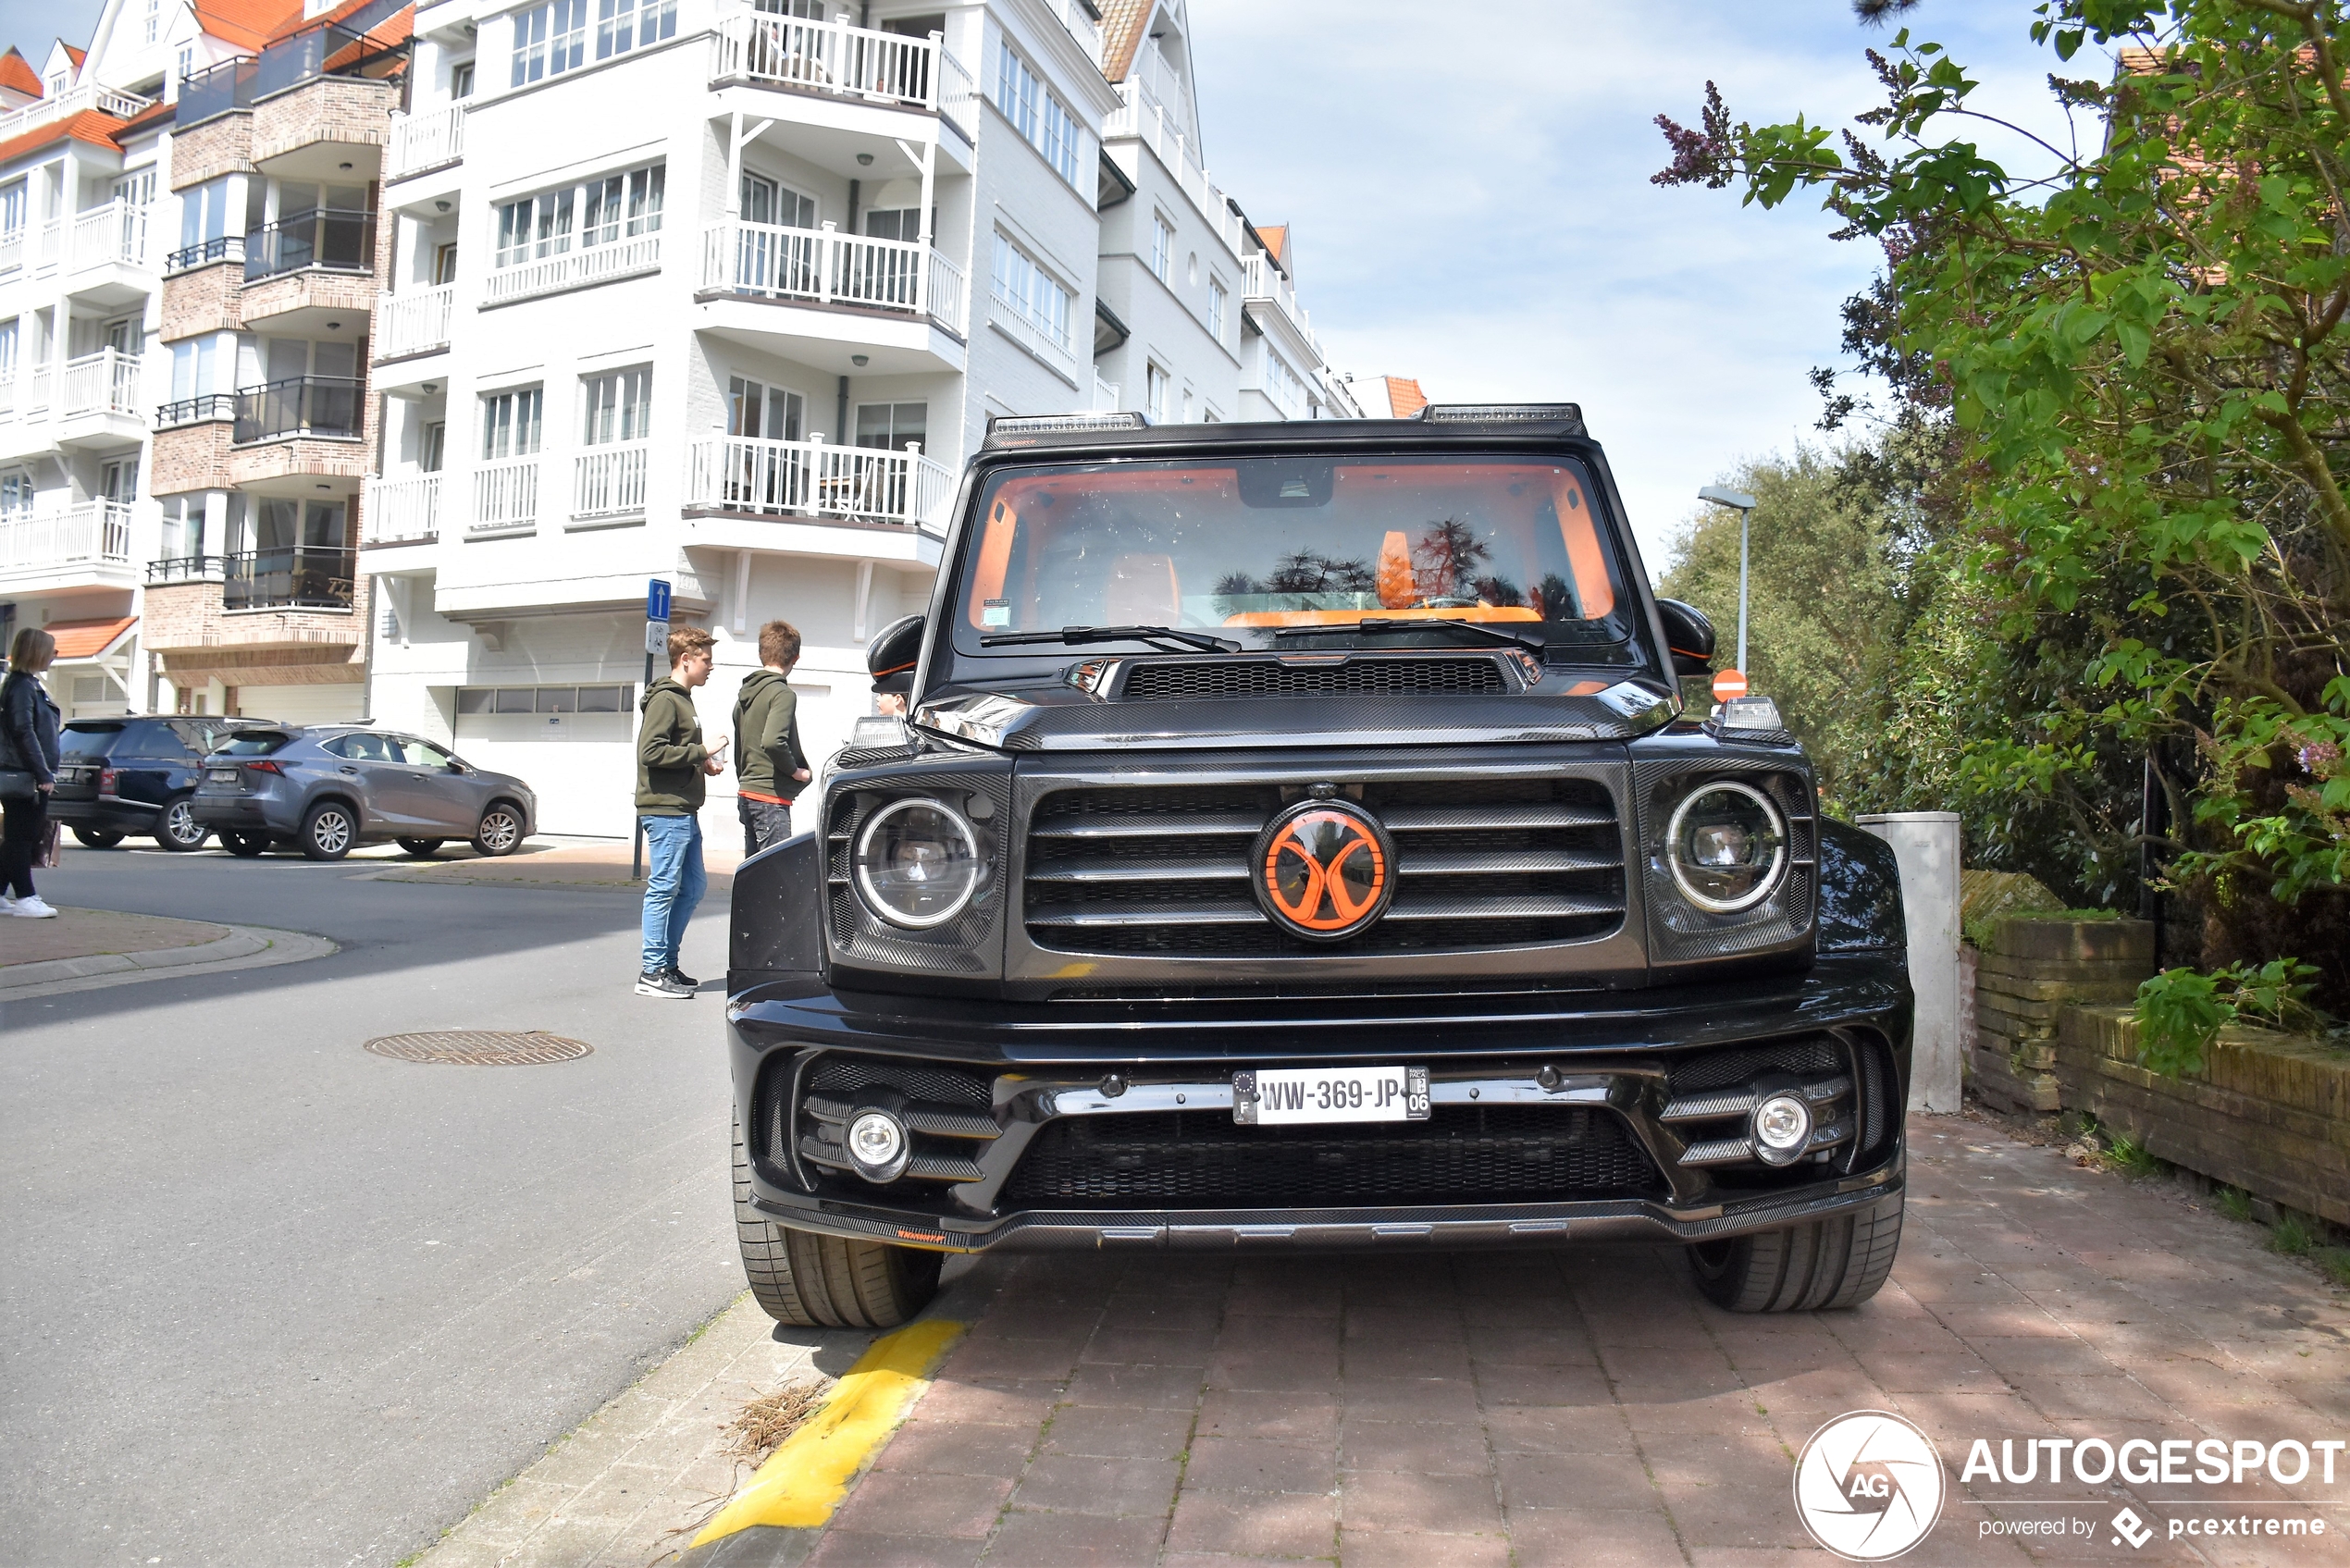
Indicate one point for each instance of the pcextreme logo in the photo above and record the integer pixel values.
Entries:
(1869, 1486)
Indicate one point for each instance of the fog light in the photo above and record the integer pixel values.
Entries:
(1782, 1130)
(878, 1145)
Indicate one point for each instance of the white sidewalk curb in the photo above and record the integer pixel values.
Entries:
(244, 948)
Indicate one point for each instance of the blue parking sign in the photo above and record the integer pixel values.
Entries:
(656, 599)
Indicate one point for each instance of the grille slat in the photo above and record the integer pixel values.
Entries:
(1422, 819)
(1203, 1159)
(1146, 826)
(1194, 681)
(1093, 869)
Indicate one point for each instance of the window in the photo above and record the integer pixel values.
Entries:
(1155, 400)
(1162, 246)
(1041, 120)
(542, 699)
(148, 27)
(183, 518)
(762, 412)
(296, 525)
(1282, 383)
(510, 423)
(894, 223)
(596, 212)
(12, 208)
(1216, 298)
(1031, 292)
(419, 753)
(890, 425)
(197, 364)
(444, 263)
(622, 25)
(204, 216)
(619, 406)
(461, 80)
(549, 39)
(432, 446)
(16, 493)
(1187, 405)
(8, 349)
(763, 201)
(184, 66)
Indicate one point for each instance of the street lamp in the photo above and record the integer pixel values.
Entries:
(1745, 503)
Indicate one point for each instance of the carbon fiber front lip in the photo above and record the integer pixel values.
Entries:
(1624, 1221)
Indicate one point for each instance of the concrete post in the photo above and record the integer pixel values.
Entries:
(1926, 844)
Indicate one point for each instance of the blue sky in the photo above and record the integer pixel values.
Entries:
(1469, 190)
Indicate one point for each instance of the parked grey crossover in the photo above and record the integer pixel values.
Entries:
(328, 788)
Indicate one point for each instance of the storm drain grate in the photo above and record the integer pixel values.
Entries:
(481, 1048)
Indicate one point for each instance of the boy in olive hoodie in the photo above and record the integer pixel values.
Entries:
(671, 761)
(769, 765)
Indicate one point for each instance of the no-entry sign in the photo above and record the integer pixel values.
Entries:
(1729, 683)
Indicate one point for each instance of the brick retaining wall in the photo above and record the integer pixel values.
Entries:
(2035, 968)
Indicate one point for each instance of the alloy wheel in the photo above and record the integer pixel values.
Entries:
(500, 831)
(180, 830)
(330, 830)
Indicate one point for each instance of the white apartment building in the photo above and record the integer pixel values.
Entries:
(725, 293)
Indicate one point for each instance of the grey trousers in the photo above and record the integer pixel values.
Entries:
(764, 822)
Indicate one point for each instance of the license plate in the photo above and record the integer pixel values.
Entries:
(221, 775)
(1293, 1097)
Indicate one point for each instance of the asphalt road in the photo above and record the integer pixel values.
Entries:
(266, 1298)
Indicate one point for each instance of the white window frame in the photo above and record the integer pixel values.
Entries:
(604, 210)
(152, 23)
(622, 25)
(1162, 246)
(549, 39)
(1032, 290)
(512, 422)
(1218, 297)
(616, 406)
(1155, 391)
(1042, 120)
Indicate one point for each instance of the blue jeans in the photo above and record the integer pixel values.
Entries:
(674, 885)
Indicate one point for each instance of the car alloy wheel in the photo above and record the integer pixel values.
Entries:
(500, 833)
(177, 827)
(329, 833)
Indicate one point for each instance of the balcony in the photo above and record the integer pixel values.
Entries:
(308, 405)
(331, 238)
(203, 253)
(184, 569)
(738, 474)
(197, 410)
(85, 541)
(607, 482)
(1145, 114)
(402, 512)
(111, 234)
(823, 267)
(414, 323)
(71, 101)
(247, 80)
(863, 65)
(576, 269)
(293, 577)
(422, 142)
(100, 400)
(505, 496)
(1012, 317)
(1263, 280)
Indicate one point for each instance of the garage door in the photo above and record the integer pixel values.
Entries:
(303, 705)
(581, 765)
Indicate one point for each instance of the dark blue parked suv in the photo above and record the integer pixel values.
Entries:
(120, 778)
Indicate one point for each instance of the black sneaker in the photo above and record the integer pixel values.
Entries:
(650, 984)
(681, 978)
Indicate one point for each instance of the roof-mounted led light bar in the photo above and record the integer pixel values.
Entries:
(1002, 427)
(1503, 413)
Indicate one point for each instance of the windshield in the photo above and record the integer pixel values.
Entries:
(88, 742)
(1295, 551)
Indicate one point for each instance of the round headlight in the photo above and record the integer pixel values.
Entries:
(917, 863)
(1782, 1129)
(1728, 848)
(878, 1145)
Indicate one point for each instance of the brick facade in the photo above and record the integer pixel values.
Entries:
(297, 457)
(2034, 970)
(217, 147)
(352, 292)
(198, 640)
(202, 300)
(190, 457)
(344, 109)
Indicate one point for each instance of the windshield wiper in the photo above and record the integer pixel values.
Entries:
(1381, 623)
(1075, 635)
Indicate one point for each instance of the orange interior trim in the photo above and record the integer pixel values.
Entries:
(1583, 552)
(1348, 617)
(995, 559)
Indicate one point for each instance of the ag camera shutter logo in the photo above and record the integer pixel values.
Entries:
(1869, 1486)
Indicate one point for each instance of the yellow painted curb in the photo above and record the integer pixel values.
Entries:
(806, 1477)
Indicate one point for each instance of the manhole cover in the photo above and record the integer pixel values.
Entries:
(481, 1048)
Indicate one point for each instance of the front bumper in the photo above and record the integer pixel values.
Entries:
(1608, 1058)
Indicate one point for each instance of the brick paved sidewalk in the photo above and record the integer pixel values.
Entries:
(86, 933)
(1586, 1407)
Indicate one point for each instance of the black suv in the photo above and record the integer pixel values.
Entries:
(122, 777)
(1299, 840)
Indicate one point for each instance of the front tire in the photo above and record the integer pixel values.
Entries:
(178, 829)
(245, 846)
(813, 1281)
(498, 833)
(96, 838)
(1827, 1265)
(329, 830)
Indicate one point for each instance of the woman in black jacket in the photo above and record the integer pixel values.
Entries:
(28, 740)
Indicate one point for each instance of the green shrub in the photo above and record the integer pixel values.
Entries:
(2129, 1158)
(2291, 1236)
(2181, 1012)
(2335, 1261)
(2233, 1202)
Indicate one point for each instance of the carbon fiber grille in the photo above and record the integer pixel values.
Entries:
(848, 1074)
(841, 1076)
(1480, 862)
(1177, 682)
(1811, 1057)
(1203, 1159)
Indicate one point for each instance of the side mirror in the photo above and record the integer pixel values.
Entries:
(894, 651)
(1689, 635)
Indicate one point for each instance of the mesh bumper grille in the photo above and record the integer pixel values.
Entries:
(1357, 677)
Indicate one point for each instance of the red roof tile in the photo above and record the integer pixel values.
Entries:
(76, 55)
(88, 126)
(18, 76)
(1276, 240)
(1405, 398)
(1122, 33)
(248, 24)
(87, 640)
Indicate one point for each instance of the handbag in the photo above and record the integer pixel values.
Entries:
(52, 847)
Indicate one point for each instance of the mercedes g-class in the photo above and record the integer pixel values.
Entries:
(1299, 835)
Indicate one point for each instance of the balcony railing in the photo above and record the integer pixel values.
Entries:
(834, 57)
(203, 253)
(306, 405)
(1013, 317)
(12, 252)
(185, 568)
(826, 266)
(608, 481)
(1142, 113)
(116, 232)
(574, 270)
(93, 534)
(414, 323)
(405, 511)
(431, 139)
(71, 101)
(337, 50)
(336, 240)
(196, 410)
(506, 496)
(817, 479)
(292, 577)
(1263, 280)
(1105, 395)
(105, 382)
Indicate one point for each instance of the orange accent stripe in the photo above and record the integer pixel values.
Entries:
(895, 668)
(1348, 617)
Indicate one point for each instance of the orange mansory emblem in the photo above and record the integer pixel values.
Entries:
(1324, 868)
